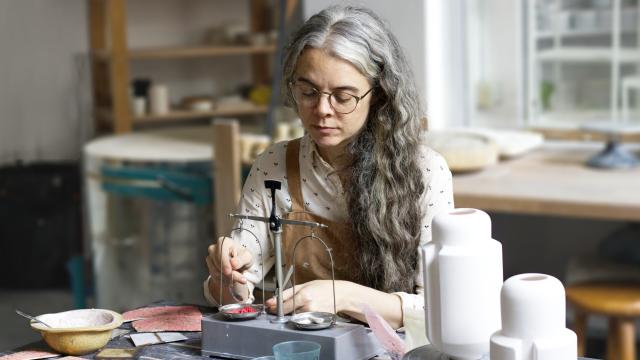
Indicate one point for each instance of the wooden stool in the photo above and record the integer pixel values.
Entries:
(620, 302)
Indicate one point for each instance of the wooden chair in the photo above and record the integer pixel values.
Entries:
(227, 173)
(620, 302)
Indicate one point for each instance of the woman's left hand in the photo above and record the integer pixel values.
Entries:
(314, 295)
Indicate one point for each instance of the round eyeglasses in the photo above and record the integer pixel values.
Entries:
(340, 100)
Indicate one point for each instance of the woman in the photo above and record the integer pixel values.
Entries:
(361, 168)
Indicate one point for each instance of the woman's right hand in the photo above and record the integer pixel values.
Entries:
(229, 258)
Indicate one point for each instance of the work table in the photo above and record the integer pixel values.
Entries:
(553, 180)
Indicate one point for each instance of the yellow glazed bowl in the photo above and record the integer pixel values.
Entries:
(78, 332)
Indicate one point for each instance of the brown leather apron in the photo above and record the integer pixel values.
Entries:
(312, 261)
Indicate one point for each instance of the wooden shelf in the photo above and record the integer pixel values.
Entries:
(549, 34)
(178, 114)
(105, 116)
(189, 52)
(187, 114)
(587, 55)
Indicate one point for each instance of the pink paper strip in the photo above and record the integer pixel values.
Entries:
(29, 355)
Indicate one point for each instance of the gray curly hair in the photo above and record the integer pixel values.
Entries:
(384, 181)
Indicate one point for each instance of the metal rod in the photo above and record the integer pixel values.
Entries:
(283, 221)
(279, 285)
(333, 277)
(241, 229)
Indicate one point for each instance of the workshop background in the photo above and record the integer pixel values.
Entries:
(486, 64)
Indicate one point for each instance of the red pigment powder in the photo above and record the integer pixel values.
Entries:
(246, 309)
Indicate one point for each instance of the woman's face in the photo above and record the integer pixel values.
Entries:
(330, 129)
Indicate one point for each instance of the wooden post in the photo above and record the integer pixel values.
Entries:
(260, 23)
(627, 338)
(99, 69)
(226, 173)
(580, 327)
(613, 340)
(119, 74)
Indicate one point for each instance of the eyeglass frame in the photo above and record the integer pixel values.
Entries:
(330, 94)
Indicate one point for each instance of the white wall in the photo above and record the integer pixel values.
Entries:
(44, 80)
(406, 21)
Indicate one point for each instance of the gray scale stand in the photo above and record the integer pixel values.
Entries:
(253, 338)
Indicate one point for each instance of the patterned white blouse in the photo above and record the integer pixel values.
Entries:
(324, 196)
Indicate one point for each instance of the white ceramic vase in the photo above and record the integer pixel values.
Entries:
(463, 277)
(159, 99)
(533, 321)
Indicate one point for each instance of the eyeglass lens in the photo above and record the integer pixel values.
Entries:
(341, 101)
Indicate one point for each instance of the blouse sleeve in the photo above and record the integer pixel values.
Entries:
(437, 197)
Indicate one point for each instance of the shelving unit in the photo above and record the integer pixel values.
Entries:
(189, 52)
(112, 57)
(579, 53)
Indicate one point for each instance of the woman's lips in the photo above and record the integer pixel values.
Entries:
(324, 129)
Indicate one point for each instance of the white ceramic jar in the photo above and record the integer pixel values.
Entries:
(463, 277)
(533, 321)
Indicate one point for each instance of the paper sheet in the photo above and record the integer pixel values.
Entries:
(156, 338)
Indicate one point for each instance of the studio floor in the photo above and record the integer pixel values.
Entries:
(15, 330)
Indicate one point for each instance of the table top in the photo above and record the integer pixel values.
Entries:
(427, 352)
(189, 349)
(553, 180)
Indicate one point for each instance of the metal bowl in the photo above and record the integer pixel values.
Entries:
(313, 320)
(230, 311)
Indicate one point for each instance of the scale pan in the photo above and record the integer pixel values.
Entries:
(241, 311)
(313, 320)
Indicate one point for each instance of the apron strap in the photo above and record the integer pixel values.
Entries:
(293, 175)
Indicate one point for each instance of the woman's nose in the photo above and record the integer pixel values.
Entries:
(324, 104)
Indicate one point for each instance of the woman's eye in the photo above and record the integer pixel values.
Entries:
(307, 91)
(342, 97)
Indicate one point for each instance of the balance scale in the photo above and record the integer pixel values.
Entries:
(242, 338)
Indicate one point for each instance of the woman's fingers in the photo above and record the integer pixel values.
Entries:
(287, 299)
(226, 279)
(242, 259)
(224, 257)
(221, 253)
(301, 302)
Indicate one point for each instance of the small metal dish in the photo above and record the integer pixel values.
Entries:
(313, 320)
(230, 311)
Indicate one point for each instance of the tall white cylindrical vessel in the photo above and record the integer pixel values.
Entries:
(533, 321)
(463, 277)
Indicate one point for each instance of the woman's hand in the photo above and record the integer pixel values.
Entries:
(318, 296)
(231, 259)
(314, 295)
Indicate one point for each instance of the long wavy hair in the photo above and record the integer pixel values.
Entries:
(384, 182)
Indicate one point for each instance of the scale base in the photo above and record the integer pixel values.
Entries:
(254, 338)
(614, 156)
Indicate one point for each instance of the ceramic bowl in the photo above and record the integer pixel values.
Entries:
(78, 332)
